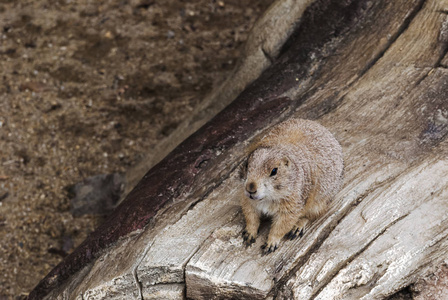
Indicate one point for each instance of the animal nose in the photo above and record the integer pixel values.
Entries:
(251, 188)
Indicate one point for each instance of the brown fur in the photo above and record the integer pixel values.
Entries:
(309, 165)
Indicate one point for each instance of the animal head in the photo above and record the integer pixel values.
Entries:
(270, 175)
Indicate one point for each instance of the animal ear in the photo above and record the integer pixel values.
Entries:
(286, 161)
(242, 169)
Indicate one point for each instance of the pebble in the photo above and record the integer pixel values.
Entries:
(170, 34)
(108, 35)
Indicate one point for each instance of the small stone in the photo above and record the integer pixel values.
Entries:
(170, 34)
(108, 35)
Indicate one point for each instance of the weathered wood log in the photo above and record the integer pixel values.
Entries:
(375, 74)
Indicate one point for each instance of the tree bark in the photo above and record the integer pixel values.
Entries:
(375, 74)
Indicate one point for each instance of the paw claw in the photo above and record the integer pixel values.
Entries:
(267, 249)
(248, 238)
(294, 233)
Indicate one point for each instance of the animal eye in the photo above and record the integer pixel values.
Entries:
(273, 172)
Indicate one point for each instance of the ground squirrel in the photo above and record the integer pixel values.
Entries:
(291, 174)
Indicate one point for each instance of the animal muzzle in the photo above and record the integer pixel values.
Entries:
(251, 191)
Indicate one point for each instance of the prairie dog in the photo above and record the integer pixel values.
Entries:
(293, 172)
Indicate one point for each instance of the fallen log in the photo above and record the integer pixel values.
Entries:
(375, 74)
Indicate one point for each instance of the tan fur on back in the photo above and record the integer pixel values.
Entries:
(309, 165)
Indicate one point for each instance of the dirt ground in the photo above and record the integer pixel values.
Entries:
(87, 87)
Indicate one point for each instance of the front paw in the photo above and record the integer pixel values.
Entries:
(248, 238)
(269, 247)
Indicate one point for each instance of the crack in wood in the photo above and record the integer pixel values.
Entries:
(137, 282)
(404, 26)
(197, 250)
(331, 275)
(437, 64)
(421, 79)
(442, 56)
(267, 55)
(417, 271)
(318, 242)
(135, 270)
